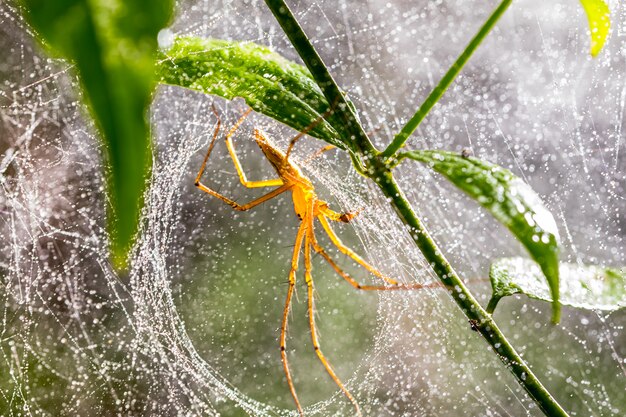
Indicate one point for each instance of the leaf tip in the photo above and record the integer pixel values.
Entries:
(599, 17)
(119, 260)
(556, 312)
(122, 234)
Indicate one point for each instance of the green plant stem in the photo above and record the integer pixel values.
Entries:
(378, 169)
(493, 303)
(479, 319)
(400, 139)
(322, 76)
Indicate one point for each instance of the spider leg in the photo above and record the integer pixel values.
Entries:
(206, 157)
(317, 248)
(337, 242)
(248, 206)
(283, 327)
(310, 127)
(237, 163)
(311, 312)
(242, 176)
(349, 252)
(318, 153)
(240, 172)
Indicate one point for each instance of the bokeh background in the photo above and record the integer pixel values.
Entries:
(192, 329)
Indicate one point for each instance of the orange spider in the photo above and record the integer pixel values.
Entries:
(308, 207)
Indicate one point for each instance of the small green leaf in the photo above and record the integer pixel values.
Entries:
(599, 17)
(270, 84)
(510, 200)
(582, 286)
(113, 44)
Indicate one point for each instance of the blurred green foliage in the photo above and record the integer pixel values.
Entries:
(113, 45)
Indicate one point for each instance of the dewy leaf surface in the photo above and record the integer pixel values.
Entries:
(510, 200)
(599, 17)
(582, 286)
(113, 45)
(269, 83)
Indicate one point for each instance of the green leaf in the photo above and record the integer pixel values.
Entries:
(269, 83)
(582, 286)
(113, 45)
(599, 17)
(510, 200)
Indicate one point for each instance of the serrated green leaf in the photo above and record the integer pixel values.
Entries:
(510, 200)
(269, 83)
(582, 286)
(599, 17)
(113, 44)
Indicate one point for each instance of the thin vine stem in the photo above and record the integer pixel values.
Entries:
(322, 76)
(478, 318)
(400, 139)
(379, 170)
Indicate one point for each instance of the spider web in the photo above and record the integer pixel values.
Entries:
(192, 329)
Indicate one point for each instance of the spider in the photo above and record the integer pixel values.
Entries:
(308, 207)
